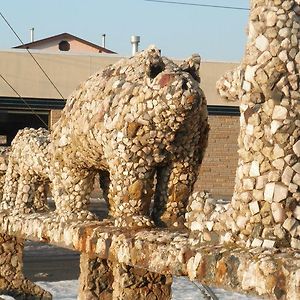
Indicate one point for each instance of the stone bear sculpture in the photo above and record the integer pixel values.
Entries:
(28, 171)
(144, 120)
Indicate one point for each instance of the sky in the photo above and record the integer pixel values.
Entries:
(178, 30)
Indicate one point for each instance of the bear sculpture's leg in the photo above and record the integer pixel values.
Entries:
(71, 193)
(40, 196)
(175, 181)
(174, 185)
(130, 195)
(10, 187)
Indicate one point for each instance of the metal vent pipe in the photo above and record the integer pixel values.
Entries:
(135, 39)
(103, 40)
(31, 34)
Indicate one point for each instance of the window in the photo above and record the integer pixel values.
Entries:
(64, 46)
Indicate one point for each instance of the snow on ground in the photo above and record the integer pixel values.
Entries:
(182, 289)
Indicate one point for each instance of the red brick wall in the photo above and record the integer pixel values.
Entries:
(217, 173)
(54, 116)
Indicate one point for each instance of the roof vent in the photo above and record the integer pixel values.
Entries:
(31, 34)
(135, 39)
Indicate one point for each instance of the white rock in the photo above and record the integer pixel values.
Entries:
(196, 226)
(278, 164)
(279, 113)
(280, 192)
(241, 221)
(271, 18)
(293, 187)
(254, 169)
(283, 56)
(278, 212)
(284, 32)
(289, 223)
(261, 182)
(295, 243)
(256, 243)
(296, 167)
(275, 125)
(296, 212)
(278, 152)
(296, 148)
(209, 225)
(287, 175)
(248, 184)
(250, 72)
(268, 244)
(254, 207)
(296, 179)
(261, 43)
(196, 206)
(269, 191)
(246, 86)
(249, 129)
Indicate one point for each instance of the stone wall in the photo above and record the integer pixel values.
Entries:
(271, 273)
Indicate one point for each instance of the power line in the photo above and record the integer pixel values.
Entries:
(5, 20)
(28, 106)
(198, 4)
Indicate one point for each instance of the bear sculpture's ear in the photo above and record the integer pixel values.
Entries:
(192, 66)
(156, 68)
(154, 62)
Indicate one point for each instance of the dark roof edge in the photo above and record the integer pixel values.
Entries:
(50, 103)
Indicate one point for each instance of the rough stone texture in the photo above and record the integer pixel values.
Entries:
(273, 273)
(12, 280)
(267, 83)
(140, 284)
(96, 278)
(141, 117)
(27, 174)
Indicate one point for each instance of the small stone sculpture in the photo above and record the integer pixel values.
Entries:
(27, 173)
(140, 119)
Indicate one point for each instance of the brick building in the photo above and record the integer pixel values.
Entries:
(68, 69)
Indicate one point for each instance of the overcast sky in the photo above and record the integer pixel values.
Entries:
(178, 30)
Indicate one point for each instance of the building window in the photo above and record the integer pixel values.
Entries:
(64, 46)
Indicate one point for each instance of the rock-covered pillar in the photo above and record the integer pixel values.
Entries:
(12, 280)
(96, 278)
(266, 201)
(102, 279)
(140, 284)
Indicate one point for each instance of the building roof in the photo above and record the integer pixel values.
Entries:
(64, 36)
